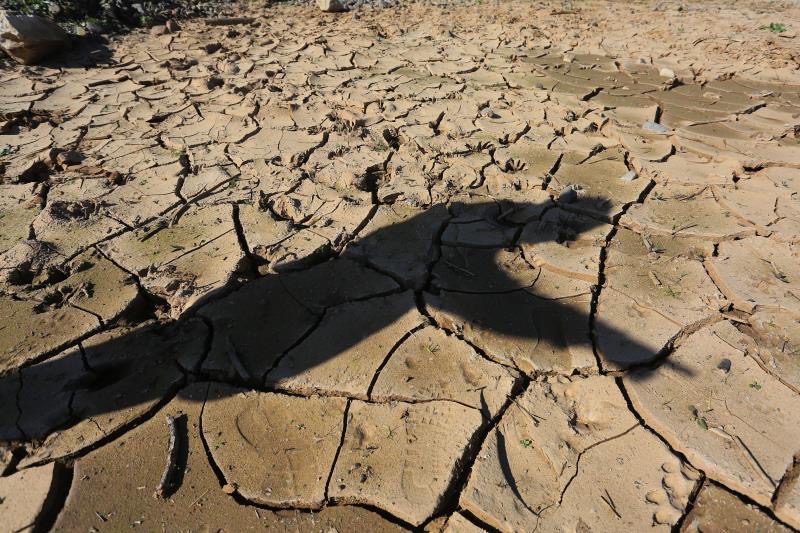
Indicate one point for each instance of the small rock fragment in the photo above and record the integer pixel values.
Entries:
(787, 504)
(70, 157)
(666, 73)
(210, 48)
(6, 458)
(654, 127)
(568, 195)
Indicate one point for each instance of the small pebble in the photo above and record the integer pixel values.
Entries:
(666, 73)
(654, 127)
(93, 27)
(568, 195)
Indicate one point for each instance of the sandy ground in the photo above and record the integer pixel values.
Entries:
(500, 266)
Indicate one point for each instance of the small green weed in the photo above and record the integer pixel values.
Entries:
(701, 421)
(775, 27)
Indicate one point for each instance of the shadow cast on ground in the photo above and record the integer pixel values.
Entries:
(327, 329)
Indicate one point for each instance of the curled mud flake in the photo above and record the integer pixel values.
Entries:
(787, 503)
(165, 484)
(457, 522)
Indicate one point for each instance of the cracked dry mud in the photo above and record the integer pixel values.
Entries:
(482, 266)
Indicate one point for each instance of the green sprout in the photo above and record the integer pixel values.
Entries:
(774, 27)
(701, 421)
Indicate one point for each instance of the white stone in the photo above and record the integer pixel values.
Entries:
(331, 6)
(28, 39)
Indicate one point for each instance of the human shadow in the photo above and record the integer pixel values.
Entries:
(508, 279)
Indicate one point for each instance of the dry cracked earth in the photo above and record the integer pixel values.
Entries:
(508, 267)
